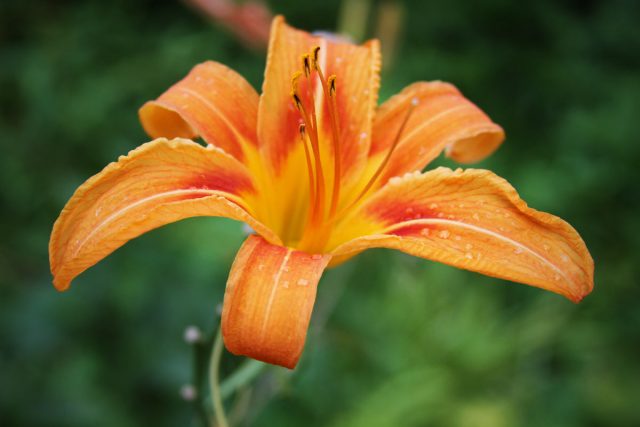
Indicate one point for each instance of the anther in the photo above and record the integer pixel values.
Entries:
(302, 130)
(296, 101)
(294, 81)
(315, 52)
(306, 64)
(332, 85)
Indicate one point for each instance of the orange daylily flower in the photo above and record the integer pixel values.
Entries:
(321, 174)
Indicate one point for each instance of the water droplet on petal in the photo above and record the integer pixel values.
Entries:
(468, 246)
(444, 234)
(316, 257)
(476, 216)
(517, 250)
(303, 282)
(468, 255)
(285, 284)
(424, 232)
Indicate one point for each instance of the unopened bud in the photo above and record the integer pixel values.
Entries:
(188, 392)
(192, 334)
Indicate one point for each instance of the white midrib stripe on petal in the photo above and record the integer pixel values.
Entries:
(142, 201)
(482, 231)
(274, 288)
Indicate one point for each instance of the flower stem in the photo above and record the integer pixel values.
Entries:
(214, 381)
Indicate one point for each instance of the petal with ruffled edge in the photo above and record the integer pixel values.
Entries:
(268, 301)
(442, 119)
(474, 220)
(158, 183)
(213, 102)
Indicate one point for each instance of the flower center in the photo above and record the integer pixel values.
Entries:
(323, 213)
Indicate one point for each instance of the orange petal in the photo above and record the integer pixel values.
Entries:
(442, 119)
(213, 102)
(157, 183)
(268, 301)
(474, 220)
(357, 71)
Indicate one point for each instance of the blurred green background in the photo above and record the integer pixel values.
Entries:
(395, 341)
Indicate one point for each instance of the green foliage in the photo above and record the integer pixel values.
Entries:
(395, 341)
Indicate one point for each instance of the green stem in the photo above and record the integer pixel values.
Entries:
(214, 381)
(240, 378)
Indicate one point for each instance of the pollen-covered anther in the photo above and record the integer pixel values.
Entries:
(315, 54)
(295, 94)
(306, 64)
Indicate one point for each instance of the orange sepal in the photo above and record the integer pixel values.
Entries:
(474, 220)
(158, 183)
(213, 102)
(442, 119)
(268, 301)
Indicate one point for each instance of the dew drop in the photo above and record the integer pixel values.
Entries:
(468, 246)
(285, 284)
(303, 282)
(517, 250)
(260, 267)
(458, 238)
(395, 180)
(424, 232)
(476, 216)
(415, 101)
(316, 257)
(433, 205)
(556, 277)
(440, 215)
(564, 258)
(444, 234)
(409, 211)
(468, 255)
(546, 247)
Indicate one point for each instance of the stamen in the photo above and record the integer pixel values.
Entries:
(335, 128)
(311, 124)
(307, 155)
(329, 90)
(384, 163)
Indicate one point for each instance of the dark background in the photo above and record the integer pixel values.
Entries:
(395, 341)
